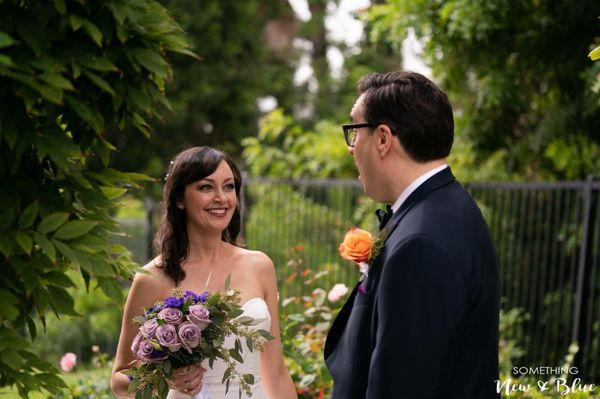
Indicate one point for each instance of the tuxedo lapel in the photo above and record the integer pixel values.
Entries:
(435, 182)
(337, 327)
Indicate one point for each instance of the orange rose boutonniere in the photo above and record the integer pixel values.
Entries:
(360, 247)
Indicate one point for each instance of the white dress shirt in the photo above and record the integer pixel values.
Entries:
(414, 185)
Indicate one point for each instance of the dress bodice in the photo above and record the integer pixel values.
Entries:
(258, 310)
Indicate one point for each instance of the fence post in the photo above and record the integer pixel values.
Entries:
(583, 254)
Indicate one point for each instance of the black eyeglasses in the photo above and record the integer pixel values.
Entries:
(351, 130)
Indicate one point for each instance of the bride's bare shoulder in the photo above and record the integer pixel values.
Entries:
(151, 275)
(258, 260)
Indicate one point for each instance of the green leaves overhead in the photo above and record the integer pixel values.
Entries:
(67, 71)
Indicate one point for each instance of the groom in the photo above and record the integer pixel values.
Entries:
(424, 323)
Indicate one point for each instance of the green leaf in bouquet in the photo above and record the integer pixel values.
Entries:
(161, 322)
(266, 335)
(155, 345)
(245, 320)
(227, 386)
(250, 344)
(226, 374)
(133, 386)
(248, 378)
(163, 389)
(236, 355)
(147, 392)
(227, 282)
(236, 312)
(166, 366)
(238, 345)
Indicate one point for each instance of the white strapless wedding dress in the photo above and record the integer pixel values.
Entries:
(214, 389)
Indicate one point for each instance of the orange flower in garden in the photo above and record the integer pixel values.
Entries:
(357, 245)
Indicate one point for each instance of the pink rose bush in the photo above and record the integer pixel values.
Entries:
(186, 329)
(68, 362)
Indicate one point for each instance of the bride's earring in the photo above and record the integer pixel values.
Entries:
(180, 206)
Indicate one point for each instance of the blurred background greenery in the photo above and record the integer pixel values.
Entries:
(275, 80)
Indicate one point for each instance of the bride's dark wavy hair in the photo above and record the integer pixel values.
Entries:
(171, 241)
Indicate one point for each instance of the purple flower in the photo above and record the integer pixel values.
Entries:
(135, 345)
(200, 316)
(147, 352)
(167, 336)
(154, 309)
(171, 315)
(203, 297)
(149, 328)
(189, 334)
(191, 294)
(174, 302)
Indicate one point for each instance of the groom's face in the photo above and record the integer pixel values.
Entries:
(365, 151)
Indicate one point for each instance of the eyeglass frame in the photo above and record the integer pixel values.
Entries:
(347, 127)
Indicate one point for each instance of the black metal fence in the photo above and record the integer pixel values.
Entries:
(547, 236)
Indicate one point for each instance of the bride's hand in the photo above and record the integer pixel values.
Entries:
(187, 379)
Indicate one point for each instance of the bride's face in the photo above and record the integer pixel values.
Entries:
(209, 203)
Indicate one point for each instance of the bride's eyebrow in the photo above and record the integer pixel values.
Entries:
(212, 181)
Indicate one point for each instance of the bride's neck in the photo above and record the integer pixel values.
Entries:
(204, 246)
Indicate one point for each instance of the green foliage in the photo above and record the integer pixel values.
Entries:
(514, 72)
(214, 101)
(71, 74)
(284, 149)
(100, 325)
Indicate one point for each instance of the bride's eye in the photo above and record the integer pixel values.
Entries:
(230, 186)
(204, 187)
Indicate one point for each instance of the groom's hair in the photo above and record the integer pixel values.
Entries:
(414, 108)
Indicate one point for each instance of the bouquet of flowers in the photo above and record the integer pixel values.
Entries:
(187, 328)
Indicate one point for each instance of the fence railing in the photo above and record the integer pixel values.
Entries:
(547, 236)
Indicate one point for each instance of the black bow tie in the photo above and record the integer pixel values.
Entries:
(384, 215)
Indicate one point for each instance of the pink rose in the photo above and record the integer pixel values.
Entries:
(68, 361)
(171, 315)
(189, 335)
(200, 316)
(149, 328)
(337, 292)
(167, 337)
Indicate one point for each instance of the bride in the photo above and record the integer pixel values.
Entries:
(197, 244)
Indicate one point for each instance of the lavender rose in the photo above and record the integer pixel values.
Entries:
(135, 345)
(147, 353)
(171, 315)
(189, 335)
(200, 316)
(167, 337)
(173, 302)
(149, 328)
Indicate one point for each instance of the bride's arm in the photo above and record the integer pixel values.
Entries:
(277, 382)
(142, 293)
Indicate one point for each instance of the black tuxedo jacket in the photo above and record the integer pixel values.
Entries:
(426, 325)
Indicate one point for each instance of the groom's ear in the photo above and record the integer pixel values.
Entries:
(384, 139)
